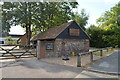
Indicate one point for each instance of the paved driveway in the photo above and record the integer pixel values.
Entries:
(108, 64)
(32, 68)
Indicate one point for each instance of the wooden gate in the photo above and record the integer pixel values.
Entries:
(17, 51)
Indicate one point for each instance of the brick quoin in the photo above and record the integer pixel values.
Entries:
(42, 51)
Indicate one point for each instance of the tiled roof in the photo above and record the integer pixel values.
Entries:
(13, 35)
(51, 33)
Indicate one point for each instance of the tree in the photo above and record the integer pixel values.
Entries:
(55, 14)
(6, 16)
(37, 16)
(110, 22)
(96, 35)
(81, 18)
(108, 31)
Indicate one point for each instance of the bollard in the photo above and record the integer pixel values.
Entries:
(73, 53)
(107, 49)
(79, 60)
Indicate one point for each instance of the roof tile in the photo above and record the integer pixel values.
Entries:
(51, 33)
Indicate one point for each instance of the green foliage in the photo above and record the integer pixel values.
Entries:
(110, 18)
(10, 41)
(102, 38)
(110, 22)
(36, 16)
(81, 18)
(96, 35)
(54, 14)
(108, 32)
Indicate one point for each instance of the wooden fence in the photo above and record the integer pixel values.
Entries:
(16, 51)
(91, 55)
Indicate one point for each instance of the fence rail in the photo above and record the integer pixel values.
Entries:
(16, 51)
(91, 55)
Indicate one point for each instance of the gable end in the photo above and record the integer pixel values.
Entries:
(66, 33)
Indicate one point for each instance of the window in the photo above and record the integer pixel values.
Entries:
(74, 32)
(49, 46)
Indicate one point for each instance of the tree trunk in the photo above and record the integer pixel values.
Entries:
(28, 33)
(28, 29)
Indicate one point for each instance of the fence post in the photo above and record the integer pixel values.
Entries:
(107, 49)
(79, 60)
(91, 57)
(38, 49)
(101, 53)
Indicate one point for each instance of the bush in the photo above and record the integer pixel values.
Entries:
(10, 41)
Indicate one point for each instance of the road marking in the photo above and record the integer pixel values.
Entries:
(88, 74)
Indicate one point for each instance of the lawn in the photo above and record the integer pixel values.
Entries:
(105, 52)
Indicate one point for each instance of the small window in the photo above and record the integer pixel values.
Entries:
(74, 32)
(49, 46)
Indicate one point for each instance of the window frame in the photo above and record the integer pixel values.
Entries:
(75, 32)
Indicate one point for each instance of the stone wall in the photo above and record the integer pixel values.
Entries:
(66, 46)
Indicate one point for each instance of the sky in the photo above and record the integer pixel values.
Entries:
(94, 8)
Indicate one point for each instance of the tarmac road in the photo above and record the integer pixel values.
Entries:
(108, 64)
(33, 68)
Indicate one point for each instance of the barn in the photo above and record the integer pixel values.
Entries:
(23, 39)
(59, 41)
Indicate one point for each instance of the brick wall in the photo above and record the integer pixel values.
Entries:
(42, 49)
(44, 52)
(23, 39)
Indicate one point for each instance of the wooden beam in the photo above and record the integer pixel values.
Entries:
(38, 49)
(79, 60)
(91, 57)
(101, 53)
